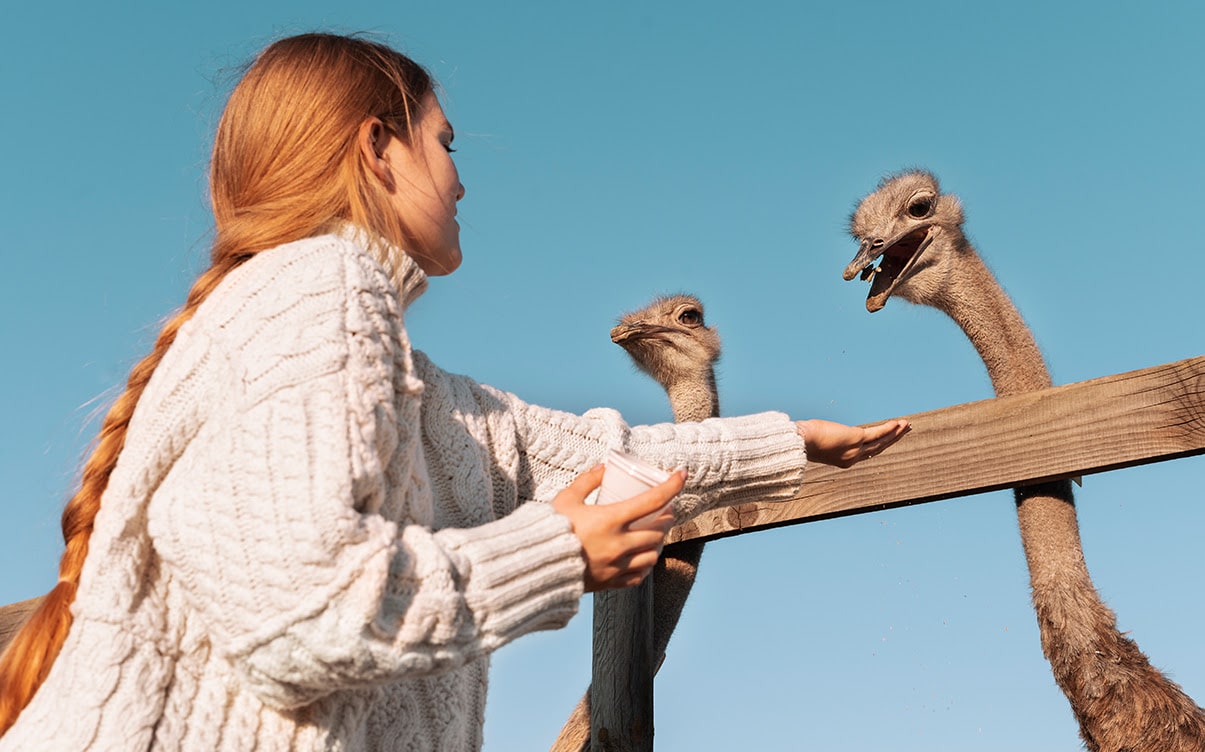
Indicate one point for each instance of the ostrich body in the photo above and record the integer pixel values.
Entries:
(669, 341)
(913, 232)
(12, 617)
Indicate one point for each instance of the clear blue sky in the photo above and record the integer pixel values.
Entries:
(616, 150)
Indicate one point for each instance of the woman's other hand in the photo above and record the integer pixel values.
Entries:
(617, 553)
(842, 446)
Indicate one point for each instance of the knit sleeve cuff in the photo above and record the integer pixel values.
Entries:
(525, 572)
(729, 461)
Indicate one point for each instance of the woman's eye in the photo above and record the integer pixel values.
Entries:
(448, 148)
(690, 317)
(920, 208)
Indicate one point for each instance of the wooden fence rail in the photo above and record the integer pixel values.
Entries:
(1135, 418)
(1150, 415)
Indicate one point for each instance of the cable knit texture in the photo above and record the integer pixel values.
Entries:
(314, 537)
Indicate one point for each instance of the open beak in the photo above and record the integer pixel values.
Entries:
(898, 257)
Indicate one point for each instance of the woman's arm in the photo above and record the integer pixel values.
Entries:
(727, 460)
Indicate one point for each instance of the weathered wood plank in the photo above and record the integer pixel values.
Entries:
(621, 687)
(1150, 415)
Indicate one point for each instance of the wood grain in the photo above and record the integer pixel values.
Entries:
(1134, 418)
(621, 686)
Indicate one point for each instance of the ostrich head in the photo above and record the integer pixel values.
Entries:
(668, 340)
(916, 229)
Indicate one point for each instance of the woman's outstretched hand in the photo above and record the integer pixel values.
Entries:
(841, 445)
(618, 555)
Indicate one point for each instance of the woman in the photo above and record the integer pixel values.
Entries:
(297, 533)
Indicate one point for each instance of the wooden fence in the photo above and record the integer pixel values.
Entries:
(1151, 415)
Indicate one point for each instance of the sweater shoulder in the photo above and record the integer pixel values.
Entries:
(291, 313)
(272, 283)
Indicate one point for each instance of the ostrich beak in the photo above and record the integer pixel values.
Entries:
(640, 330)
(899, 255)
(868, 250)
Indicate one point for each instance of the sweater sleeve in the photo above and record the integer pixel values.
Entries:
(758, 457)
(270, 522)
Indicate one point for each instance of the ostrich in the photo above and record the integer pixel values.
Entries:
(912, 246)
(12, 617)
(668, 340)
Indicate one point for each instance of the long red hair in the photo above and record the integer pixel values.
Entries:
(286, 165)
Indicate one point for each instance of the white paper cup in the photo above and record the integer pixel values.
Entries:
(627, 476)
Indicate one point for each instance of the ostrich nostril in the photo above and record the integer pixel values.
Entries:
(878, 243)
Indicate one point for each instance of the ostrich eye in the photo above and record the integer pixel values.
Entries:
(920, 208)
(690, 317)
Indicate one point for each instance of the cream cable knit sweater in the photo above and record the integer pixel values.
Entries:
(314, 537)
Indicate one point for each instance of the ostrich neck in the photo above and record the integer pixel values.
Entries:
(1046, 513)
(1119, 699)
(1079, 632)
(694, 399)
(985, 313)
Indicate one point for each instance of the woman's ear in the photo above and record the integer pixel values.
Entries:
(372, 138)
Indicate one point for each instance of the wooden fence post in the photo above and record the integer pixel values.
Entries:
(621, 689)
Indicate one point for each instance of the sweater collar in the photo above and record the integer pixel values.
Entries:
(410, 280)
(405, 273)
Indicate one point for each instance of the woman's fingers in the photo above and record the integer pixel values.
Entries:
(889, 432)
(884, 435)
(620, 542)
(583, 484)
(650, 502)
(841, 445)
(629, 571)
